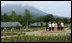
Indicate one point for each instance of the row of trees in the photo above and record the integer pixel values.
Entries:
(51, 18)
(28, 18)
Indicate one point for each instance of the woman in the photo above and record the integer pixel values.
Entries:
(59, 25)
(53, 25)
(62, 25)
(46, 26)
(50, 26)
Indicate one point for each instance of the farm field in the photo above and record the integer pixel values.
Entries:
(32, 38)
(37, 36)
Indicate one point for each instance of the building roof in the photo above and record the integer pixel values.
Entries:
(10, 24)
(37, 24)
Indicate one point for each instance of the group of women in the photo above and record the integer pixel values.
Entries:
(54, 26)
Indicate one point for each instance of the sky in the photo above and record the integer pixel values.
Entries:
(59, 8)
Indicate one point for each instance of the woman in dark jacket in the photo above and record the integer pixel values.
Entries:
(59, 26)
(46, 26)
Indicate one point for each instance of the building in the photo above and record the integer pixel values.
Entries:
(10, 25)
(37, 24)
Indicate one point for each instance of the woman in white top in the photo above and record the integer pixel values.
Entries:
(62, 25)
(53, 25)
(50, 26)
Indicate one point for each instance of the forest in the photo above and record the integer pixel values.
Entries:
(29, 18)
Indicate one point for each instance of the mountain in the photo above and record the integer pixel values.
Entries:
(21, 10)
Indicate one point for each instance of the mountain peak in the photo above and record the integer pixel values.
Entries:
(21, 10)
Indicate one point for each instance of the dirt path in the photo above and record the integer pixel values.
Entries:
(48, 33)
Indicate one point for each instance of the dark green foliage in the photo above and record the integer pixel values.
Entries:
(48, 18)
(4, 17)
(28, 18)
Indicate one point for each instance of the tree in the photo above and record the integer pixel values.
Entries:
(40, 19)
(13, 16)
(31, 18)
(58, 19)
(21, 19)
(28, 17)
(4, 17)
(48, 18)
(65, 20)
(69, 20)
